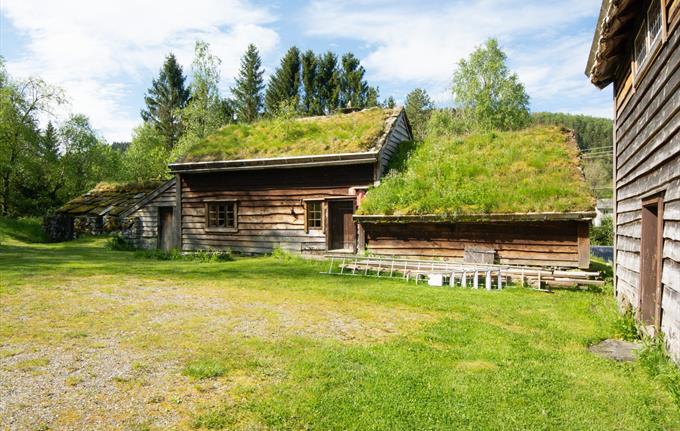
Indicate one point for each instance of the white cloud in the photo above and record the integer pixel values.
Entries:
(97, 51)
(421, 43)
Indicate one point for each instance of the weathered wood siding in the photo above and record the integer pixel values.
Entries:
(145, 231)
(270, 206)
(399, 133)
(545, 243)
(647, 160)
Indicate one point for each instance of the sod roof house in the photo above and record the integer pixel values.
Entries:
(293, 184)
(636, 47)
(101, 210)
(510, 198)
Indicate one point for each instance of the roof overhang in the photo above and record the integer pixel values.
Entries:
(610, 40)
(275, 163)
(478, 218)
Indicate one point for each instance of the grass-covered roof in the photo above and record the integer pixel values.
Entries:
(529, 171)
(109, 198)
(354, 132)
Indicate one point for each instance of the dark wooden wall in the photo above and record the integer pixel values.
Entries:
(647, 161)
(517, 243)
(270, 206)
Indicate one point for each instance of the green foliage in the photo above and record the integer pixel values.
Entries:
(206, 111)
(310, 74)
(284, 84)
(353, 87)
(487, 94)
(147, 157)
(625, 326)
(328, 82)
(166, 97)
(87, 158)
(286, 136)
(604, 233)
(532, 170)
(389, 103)
(249, 85)
(214, 419)
(655, 360)
(205, 256)
(24, 229)
(418, 108)
(204, 368)
(118, 242)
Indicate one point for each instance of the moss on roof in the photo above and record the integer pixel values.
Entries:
(109, 198)
(332, 134)
(527, 171)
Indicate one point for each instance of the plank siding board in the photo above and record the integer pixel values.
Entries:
(550, 243)
(146, 218)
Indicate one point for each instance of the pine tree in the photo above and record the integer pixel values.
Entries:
(310, 103)
(372, 96)
(389, 103)
(418, 108)
(284, 84)
(353, 88)
(328, 82)
(164, 99)
(249, 86)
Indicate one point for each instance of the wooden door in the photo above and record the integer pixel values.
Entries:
(341, 228)
(651, 238)
(166, 232)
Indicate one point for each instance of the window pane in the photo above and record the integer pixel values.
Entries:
(654, 20)
(222, 215)
(641, 45)
(314, 215)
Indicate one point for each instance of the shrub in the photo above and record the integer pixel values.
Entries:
(118, 242)
(625, 326)
(604, 233)
(200, 256)
(655, 360)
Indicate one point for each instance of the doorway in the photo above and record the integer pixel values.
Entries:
(341, 228)
(651, 246)
(166, 231)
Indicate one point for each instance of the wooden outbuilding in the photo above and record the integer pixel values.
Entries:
(636, 48)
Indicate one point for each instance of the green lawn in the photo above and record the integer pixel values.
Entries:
(91, 338)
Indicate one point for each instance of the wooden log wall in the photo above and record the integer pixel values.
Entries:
(647, 161)
(518, 243)
(270, 206)
(146, 219)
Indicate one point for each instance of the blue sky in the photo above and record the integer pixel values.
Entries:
(105, 54)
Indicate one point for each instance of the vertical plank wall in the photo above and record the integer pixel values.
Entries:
(145, 231)
(270, 206)
(648, 161)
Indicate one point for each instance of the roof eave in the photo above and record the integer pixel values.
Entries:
(481, 217)
(275, 163)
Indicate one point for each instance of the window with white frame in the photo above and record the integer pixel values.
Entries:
(648, 35)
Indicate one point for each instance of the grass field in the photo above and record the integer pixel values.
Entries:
(97, 339)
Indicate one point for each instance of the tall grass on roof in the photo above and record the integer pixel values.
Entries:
(532, 170)
(340, 133)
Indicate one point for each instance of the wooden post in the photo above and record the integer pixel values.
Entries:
(452, 280)
(487, 279)
(475, 280)
(583, 245)
(463, 279)
(500, 279)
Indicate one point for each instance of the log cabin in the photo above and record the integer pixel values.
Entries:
(292, 184)
(636, 49)
(517, 198)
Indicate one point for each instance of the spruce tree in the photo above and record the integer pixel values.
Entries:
(418, 108)
(328, 82)
(389, 103)
(310, 102)
(164, 99)
(284, 84)
(353, 88)
(249, 86)
(372, 95)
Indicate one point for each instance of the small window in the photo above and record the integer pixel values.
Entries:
(314, 215)
(222, 215)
